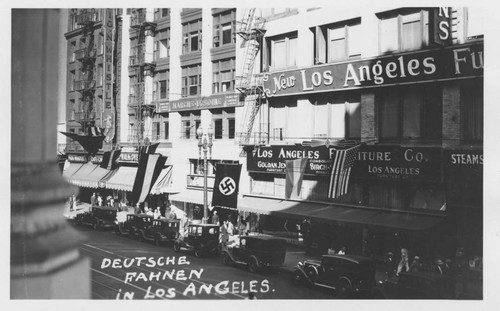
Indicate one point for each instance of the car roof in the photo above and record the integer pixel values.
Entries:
(262, 237)
(353, 258)
(141, 215)
(203, 225)
(167, 220)
(104, 208)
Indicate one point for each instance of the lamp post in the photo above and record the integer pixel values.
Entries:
(205, 144)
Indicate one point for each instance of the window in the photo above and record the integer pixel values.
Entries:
(191, 37)
(159, 13)
(223, 123)
(224, 28)
(72, 49)
(163, 89)
(338, 42)
(156, 130)
(410, 113)
(223, 75)
(283, 51)
(190, 121)
(403, 31)
(471, 98)
(191, 80)
(72, 79)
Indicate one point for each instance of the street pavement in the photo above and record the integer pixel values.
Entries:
(294, 253)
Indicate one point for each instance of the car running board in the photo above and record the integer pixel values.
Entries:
(325, 286)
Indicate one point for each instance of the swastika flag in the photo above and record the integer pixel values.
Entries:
(227, 179)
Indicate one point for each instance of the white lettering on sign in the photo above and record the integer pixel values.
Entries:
(465, 56)
(466, 159)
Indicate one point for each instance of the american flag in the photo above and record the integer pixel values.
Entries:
(341, 170)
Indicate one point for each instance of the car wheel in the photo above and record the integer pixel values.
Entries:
(312, 273)
(344, 289)
(198, 252)
(297, 277)
(225, 259)
(177, 247)
(253, 265)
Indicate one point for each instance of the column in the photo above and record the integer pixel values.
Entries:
(369, 130)
(451, 115)
(45, 260)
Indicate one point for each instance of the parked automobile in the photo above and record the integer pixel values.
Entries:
(345, 275)
(202, 238)
(161, 230)
(416, 285)
(133, 224)
(256, 252)
(98, 217)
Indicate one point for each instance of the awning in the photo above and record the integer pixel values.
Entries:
(123, 179)
(79, 178)
(95, 177)
(163, 183)
(341, 214)
(71, 169)
(191, 196)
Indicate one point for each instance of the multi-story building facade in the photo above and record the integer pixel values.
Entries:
(276, 83)
(405, 82)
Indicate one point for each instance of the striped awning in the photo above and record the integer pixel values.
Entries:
(79, 178)
(70, 169)
(123, 179)
(163, 183)
(191, 196)
(94, 179)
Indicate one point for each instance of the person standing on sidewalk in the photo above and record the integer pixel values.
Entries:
(93, 199)
(71, 203)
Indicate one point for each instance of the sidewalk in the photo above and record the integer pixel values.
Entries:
(80, 208)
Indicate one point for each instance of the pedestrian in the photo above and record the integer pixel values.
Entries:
(403, 265)
(157, 213)
(99, 200)
(438, 267)
(73, 206)
(215, 218)
(171, 213)
(149, 212)
(305, 230)
(241, 226)
(70, 203)
(93, 199)
(137, 208)
(415, 264)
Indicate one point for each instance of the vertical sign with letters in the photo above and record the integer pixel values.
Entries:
(108, 118)
(441, 26)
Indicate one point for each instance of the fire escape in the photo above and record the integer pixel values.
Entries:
(252, 30)
(86, 55)
(141, 65)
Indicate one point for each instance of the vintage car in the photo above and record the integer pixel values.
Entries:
(256, 252)
(98, 217)
(416, 285)
(202, 238)
(161, 230)
(345, 275)
(131, 226)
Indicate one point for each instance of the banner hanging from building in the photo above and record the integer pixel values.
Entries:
(341, 171)
(294, 176)
(226, 185)
(110, 159)
(150, 166)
